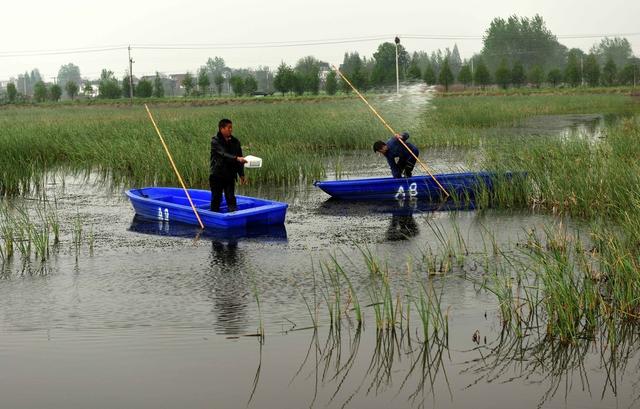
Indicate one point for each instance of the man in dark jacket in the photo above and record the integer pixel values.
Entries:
(393, 149)
(227, 163)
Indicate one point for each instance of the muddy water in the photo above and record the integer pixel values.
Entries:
(152, 315)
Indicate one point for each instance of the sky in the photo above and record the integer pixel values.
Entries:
(72, 24)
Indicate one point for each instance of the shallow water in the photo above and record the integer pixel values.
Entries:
(155, 315)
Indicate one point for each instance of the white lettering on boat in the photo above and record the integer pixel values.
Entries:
(413, 189)
(166, 214)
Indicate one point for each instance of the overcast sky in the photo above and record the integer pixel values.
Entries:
(67, 24)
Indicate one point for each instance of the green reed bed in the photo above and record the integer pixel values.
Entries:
(585, 283)
(296, 138)
(292, 138)
(31, 232)
(390, 298)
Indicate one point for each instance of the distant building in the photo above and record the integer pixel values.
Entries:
(177, 89)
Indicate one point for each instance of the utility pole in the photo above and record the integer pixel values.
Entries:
(582, 70)
(397, 41)
(473, 83)
(130, 75)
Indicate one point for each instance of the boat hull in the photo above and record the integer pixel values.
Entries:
(461, 185)
(171, 205)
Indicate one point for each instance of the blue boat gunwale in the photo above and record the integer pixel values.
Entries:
(264, 204)
(392, 179)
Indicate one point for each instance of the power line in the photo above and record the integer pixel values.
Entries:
(37, 53)
(277, 44)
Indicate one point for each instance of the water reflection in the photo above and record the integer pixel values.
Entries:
(227, 275)
(392, 362)
(229, 287)
(536, 358)
(403, 226)
(173, 229)
(337, 207)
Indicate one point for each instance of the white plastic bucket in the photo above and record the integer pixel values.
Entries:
(253, 162)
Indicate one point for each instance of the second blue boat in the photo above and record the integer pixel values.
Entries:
(460, 185)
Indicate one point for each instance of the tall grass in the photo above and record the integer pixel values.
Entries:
(294, 138)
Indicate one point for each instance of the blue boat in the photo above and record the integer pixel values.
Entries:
(460, 185)
(171, 205)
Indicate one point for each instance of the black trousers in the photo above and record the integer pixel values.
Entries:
(406, 166)
(226, 186)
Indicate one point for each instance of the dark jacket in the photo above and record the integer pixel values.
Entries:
(223, 158)
(396, 150)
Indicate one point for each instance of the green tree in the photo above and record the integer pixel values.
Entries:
(618, 49)
(144, 89)
(237, 84)
(609, 72)
(87, 89)
(481, 76)
(429, 75)
(592, 70)
(384, 69)
(503, 74)
(572, 73)
(298, 84)
(521, 38)
(219, 81)
(203, 80)
(414, 72)
(40, 91)
(464, 77)
(455, 62)
(187, 83)
(126, 83)
(250, 85)
(215, 66)
(35, 76)
(72, 89)
(284, 79)
(55, 92)
(308, 71)
(353, 67)
(446, 76)
(12, 92)
(554, 77)
(68, 72)
(331, 83)
(630, 73)
(158, 86)
(517, 74)
(536, 76)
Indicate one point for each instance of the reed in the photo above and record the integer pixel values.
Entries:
(116, 141)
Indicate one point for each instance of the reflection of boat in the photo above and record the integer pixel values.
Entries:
(337, 207)
(459, 185)
(171, 204)
(140, 224)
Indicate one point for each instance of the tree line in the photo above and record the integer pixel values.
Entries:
(517, 51)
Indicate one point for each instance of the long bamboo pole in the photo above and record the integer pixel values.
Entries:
(175, 169)
(422, 165)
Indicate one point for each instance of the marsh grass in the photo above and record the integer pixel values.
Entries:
(295, 140)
